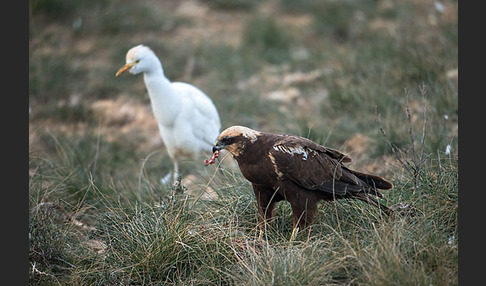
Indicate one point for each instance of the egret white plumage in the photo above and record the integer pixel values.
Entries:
(188, 121)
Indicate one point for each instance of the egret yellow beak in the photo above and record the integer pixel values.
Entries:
(124, 68)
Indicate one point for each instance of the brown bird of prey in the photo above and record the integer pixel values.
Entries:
(295, 169)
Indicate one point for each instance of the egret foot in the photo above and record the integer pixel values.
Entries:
(166, 179)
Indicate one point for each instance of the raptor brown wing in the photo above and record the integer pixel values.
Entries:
(292, 140)
(315, 167)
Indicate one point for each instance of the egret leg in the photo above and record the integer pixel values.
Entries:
(176, 171)
(173, 175)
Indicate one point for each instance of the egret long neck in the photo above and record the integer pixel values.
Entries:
(165, 102)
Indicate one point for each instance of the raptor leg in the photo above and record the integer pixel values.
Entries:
(303, 213)
(266, 200)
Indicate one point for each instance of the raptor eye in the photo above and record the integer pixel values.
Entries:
(226, 140)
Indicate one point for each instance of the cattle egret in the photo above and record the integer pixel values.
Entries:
(187, 118)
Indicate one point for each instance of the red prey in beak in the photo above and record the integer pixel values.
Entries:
(212, 159)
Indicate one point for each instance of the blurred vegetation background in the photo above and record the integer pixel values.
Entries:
(377, 79)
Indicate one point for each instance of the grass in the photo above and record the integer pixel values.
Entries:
(97, 213)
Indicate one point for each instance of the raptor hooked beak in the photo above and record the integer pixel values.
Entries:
(219, 145)
(125, 68)
(217, 148)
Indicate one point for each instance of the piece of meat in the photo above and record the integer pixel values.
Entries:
(212, 159)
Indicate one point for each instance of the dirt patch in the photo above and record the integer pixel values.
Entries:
(357, 145)
(122, 117)
(221, 27)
